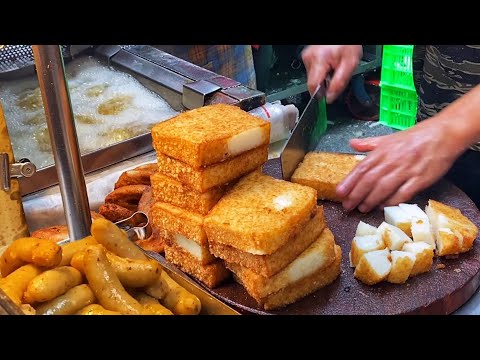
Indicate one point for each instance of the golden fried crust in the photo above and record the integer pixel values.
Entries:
(218, 174)
(459, 222)
(169, 190)
(178, 221)
(423, 262)
(211, 275)
(138, 176)
(269, 265)
(155, 243)
(400, 270)
(260, 214)
(55, 233)
(200, 137)
(324, 171)
(323, 250)
(305, 286)
(58, 232)
(146, 200)
(114, 212)
(127, 196)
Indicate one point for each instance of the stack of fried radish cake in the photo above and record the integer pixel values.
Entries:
(273, 237)
(200, 154)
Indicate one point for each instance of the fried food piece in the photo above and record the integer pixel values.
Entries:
(126, 196)
(55, 233)
(168, 190)
(151, 305)
(105, 283)
(96, 309)
(269, 265)
(131, 273)
(305, 286)
(39, 252)
(423, 256)
(58, 232)
(365, 229)
(178, 299)
(316, 258)
(70, 249)
(145, 202)
(444, 217)
(69, 303)
(211, 274)
(155, 243)
(373, 267)
(138, 176)
(393, 236)
(206, 178)
(116, 241)
(77, 261)
(210, 135)
(15, 284)
(115, 105)
(52, 283)
(323, 171)
(396, 216)
(364, 244)
(402, 265)
(114, 212)
(260, 214)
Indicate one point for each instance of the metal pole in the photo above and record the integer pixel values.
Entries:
(63, 135)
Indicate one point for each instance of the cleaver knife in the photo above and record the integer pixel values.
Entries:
(304, 138)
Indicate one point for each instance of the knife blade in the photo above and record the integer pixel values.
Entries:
(303, 138)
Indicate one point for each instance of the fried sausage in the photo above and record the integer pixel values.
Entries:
(70, 249)
(69, 303)
(131, 273)
(105, 283)
(15, 284)
(116, 240)
(35, 251)
(151, 305)
(96, 309)
(178, 299)
(52, 283)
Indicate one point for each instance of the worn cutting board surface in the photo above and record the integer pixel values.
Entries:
(440, 291)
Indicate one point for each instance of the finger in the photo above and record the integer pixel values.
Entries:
(365, 145)
(316, 74)
(348, 183)
(340, 79)
(382, 190)
(406, 192)
(362, 185)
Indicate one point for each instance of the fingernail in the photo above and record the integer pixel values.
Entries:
(363, 208)
(347, 205)
(330, 97)
(340, 190)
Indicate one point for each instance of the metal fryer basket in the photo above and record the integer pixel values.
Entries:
(16, 60)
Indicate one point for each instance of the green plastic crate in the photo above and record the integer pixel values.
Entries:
(397, 66)
(398, 107)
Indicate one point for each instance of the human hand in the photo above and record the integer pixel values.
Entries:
(319, 60)
(398, 166)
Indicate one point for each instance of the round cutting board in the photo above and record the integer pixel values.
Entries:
(440, 291)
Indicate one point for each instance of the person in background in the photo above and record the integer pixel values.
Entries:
(445, 140)
(232, 61)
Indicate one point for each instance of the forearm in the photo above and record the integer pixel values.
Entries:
(460, 120)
